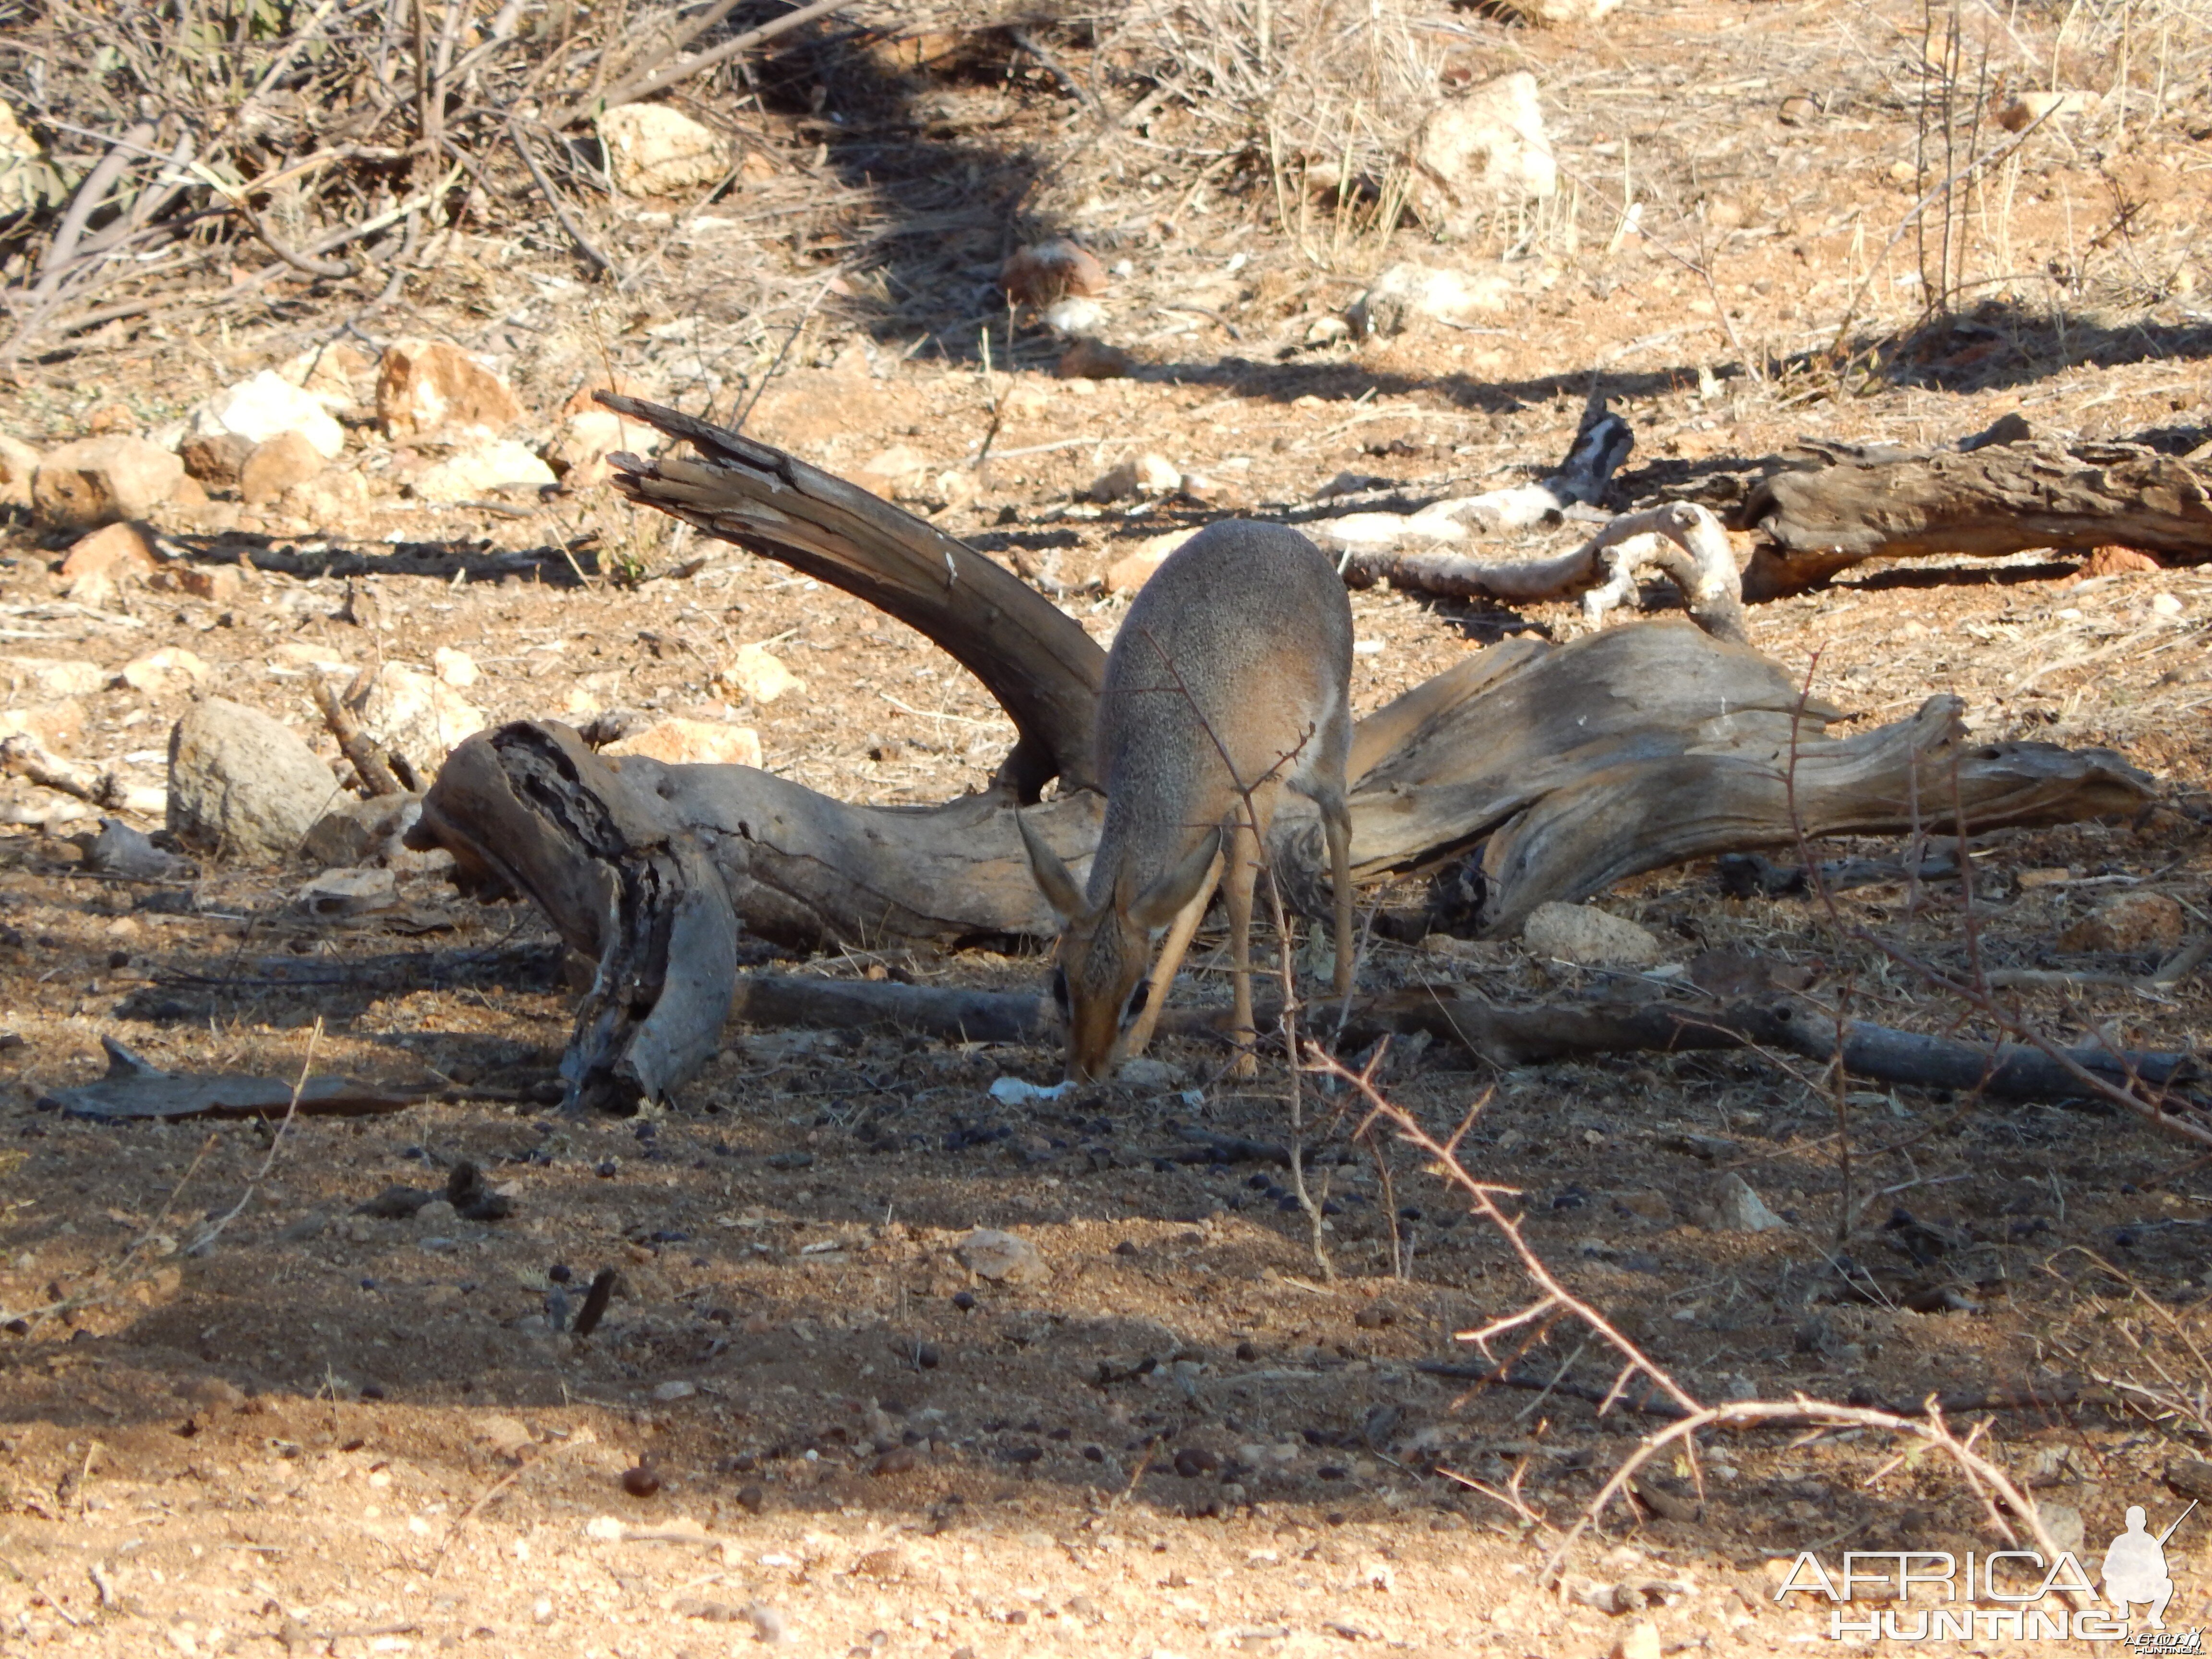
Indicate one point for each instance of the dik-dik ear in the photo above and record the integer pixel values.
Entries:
(1160, 903)
(1053, 879)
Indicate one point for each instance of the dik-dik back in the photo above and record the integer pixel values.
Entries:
(1229, 677)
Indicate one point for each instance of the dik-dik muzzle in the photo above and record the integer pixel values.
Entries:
(1106, 949)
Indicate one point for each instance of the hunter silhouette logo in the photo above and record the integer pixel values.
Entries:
(2012, 1594)
(2135, 1568)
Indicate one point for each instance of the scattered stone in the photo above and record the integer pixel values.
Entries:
(2116, 562)
(58, 726)
(1001, 1257)
(19, 462)
(426, 386)
(437, 1217)
(2165, 604)
(883, 1564)
(18, 181)
(1740, 1210)
(1408, 293)
(243, 783)
(114, 551)
(1144, 475)
(456, 668)
(1132, 570)
(1480, 153)
(503, 1434)
(2190, 1477)
(66, 677)
(2128, 922)
(757, 673)
(163, 670)
(97, 481)
(1077, 319)
(894, 474)
(220, 583)
(692, 742)
(286, 460)
(2029, 107)
(769, 1625)
(586, 438)
(899, 1460)
(1583, 935)
(350, 893)
(119, 850)
(654, 150)
(331, 374)
(641, 1480)
(670, 1392)
(1094, 360)
(1641, 1639)
(331, 500)
(1149, 1072)
(265, 408)
(214, 458)
(419, 715)
(1045, 271)
(1797, 110)
(482, 472)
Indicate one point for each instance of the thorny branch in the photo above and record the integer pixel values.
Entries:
(2004, 1504)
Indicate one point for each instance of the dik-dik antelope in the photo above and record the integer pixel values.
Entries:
(1229, 681)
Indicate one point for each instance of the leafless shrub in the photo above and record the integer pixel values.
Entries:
(199, 150)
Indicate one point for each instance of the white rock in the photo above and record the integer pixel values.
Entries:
(267, 406)
(157, 671)
(242, 783)
(758, 673)
(1145, 475)
(483, 470)
(1582, 934)
(1075, 315)
(1477, 154)
(679, 741)
(1408, 292)
(19, 174)
(1740, 1209)
(66, 677)
(350, 892)
(990, 1254)
(419, 715)
(675, 1389)
(654, 150)
(457, 668)
(1134, 568)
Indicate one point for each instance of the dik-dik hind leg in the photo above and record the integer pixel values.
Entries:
(1243, 867)
(1336, 825)
(1172, 949)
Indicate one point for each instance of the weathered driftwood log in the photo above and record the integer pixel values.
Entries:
(1681, 541)
(1850, 504)
(1507, 1035)
(1540, 773)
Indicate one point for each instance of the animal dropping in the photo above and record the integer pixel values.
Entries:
(1229, 681)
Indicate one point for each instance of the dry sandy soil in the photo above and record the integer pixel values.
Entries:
(237, 1413)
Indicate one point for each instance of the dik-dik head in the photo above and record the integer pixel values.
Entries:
(1105, 949)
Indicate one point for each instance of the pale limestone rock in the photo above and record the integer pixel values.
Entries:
(265, 407)
(1583, 935)
(1477, 154)
(97, 481)
(654, 150)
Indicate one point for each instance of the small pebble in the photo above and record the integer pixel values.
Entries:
(642, 1481)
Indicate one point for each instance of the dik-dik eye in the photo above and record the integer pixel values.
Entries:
(1135, 1005)
(1059, 987)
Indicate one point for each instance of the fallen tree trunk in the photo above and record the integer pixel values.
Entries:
(1509, 1035)
(1852, 504)
(1540, 773)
